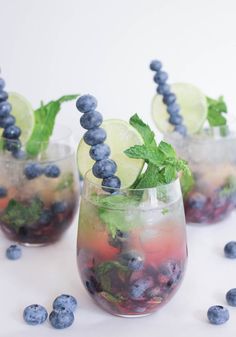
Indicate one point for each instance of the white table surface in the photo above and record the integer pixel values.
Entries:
(43, 273)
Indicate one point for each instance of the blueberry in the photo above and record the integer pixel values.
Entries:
(163, 89)
(92, 285)
(169, 99)
(231, 297)
(95, 136)
(35, 314)
(112, 183)
(7, 121)
(168, 274)
(59, 207)
(86, 103)
(3, 96)
(11, 132)
(52, 171)
(138, 288)
(33, 170)
(5, 109)
(46, 217)
(181, 129)
(119, 240)
(2, 83)
(61, 318)
(13, 252)
(99, 151)
(217, 314)
(132, 259)
(155, 65)
(3, 192)
(173, 109)
(160, 77)
(91, 120)
(65, 301)
(19, 154)
(104, 168)
(197, 200)
(230, 250)
(12, 145)
(175, 119)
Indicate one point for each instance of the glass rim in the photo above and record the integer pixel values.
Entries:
(107, 189)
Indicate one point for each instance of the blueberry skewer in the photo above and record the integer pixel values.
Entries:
(95, 136)
(169, 98)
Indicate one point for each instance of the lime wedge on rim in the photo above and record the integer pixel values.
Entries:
(193, 108)
(23, 112)
(120, 136)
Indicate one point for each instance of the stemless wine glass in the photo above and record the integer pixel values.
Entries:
(38, 194)
(131, 246)
(212, 158)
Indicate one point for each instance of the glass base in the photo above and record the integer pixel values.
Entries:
(133, 316)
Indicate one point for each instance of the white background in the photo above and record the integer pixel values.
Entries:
(53, 47)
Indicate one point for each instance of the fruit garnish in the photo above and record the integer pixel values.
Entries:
(193, 108)
(120, 136)
(44, 122)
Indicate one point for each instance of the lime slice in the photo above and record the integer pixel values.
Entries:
(120, 136)
(23, 112)
(193, 106)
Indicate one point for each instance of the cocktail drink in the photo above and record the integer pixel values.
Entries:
(211, 192)
(197, 128)
(40, 194)
(131, 233)
(131, 247)
(39, 179)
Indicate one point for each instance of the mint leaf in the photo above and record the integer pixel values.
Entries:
(44, 122)
(215, 110)
(150, 154)
(147, 134)
(169, 173)
(150, 178)
(66, 182)
(167, 150)
(111, 297)
(229, 187)
(187, 182)
(18, 214)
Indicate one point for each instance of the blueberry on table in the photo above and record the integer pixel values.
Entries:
(132, 259)
(231, 297)
(112, 183)
(155, 65)
(91, 120)
(169, 99)
(104, 168)
(33, 171)
(12, 132)
(61, 318)
(163, 89)
(86, 103)
(13, 252)
(35, 314)
(65, 301)
(160, 77)
(5, 109)
(95, 136)
(230, 250)
(59, 207)
(7, 121)
(2, 83)
(3, 192)
(217, 314)
(3, 96)
(99, 151)
(52, 171)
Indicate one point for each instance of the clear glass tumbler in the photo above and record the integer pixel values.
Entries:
(38, 194)
(211, 156)
(131, 246)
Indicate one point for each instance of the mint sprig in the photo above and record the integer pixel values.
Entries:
(216, 109)
(44, 122)
(162, 162)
